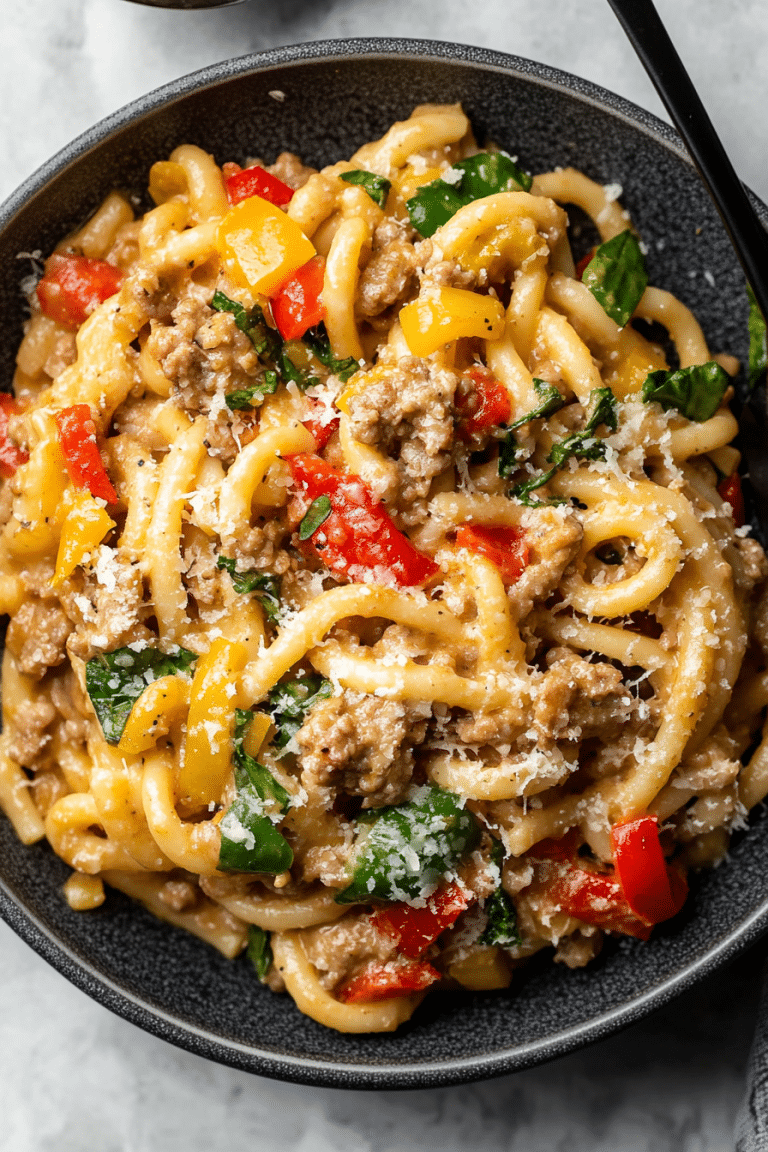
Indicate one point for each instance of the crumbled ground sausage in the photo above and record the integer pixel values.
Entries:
(577, 699)
(37, 636)
(362, 745)
(289, 168)
(407, 413)
(27, 733)
(340, 949)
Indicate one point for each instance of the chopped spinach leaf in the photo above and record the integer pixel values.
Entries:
(377, 187)
(758, 344)
(317, 513)
(432, 206)
(616, 276)
(584, 445)
(259, 951)
(696, 392)
(266, 587)
(319, 344)
(410, 848)
(250, 842)
(491, 172)
(482, 175)
(265, 340)
(244, 397)
(115, 680)
(502, 921)
(552, 400)
(289, 702)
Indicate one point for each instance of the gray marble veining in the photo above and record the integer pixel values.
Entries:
(73, 1077)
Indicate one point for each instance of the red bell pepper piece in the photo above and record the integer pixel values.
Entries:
(319, 425)
(730, 490)
(596, 899)
(358, 539)
(255, 181)
(298, 303)
(77, 435)
(487, 407)
(74, 285)
(11, 456)
(563, 850)
(645, 878)
(385, 981)
(504, 547)
(582, 264)
(415, 929)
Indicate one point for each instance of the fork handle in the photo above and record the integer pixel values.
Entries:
(650, 39)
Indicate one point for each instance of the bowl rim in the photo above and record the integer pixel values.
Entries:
(78, 969)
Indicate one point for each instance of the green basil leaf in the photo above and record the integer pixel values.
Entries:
(411, 848)
(377, 187)
(115, 680)
(266, 587)
(696, 392)
(243, 397)
(265, 340)
(317, 513)
(291, 371)
(288, 704)
(432, 206)
(319, 344)
(616, 276)
(758, 343)
(502, 921)
(259, 950)
(488, 173)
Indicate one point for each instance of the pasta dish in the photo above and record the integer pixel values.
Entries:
(380, 601)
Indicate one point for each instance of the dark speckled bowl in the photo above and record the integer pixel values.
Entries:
(336, 96)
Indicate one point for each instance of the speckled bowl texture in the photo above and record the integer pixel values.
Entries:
(337, 95)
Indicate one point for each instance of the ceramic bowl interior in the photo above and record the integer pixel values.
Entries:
(322, 101)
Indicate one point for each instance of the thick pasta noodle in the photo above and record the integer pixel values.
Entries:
(395, 632)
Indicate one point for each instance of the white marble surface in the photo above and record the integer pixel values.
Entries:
(74, 1078)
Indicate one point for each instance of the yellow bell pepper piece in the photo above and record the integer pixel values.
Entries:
(256, 734)
(162, 703)
(208, 751)
(637, 357)
(260, 246)
(445, 314)
(483, 970)
(85, 525)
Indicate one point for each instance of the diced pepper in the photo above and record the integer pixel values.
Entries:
(358, 538)
(487, 407)
(642, 871)
(730, 490)
(386, 981)
(260, 247)
(77, 435)
(445, 314)
(74, 285)
(208, 750)
(319, 425)
(598, 899)
(504, 547)
(241, 183)
(298, 304)
(562, 850)
(415, 929)
(11, 456)
(85, 525)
